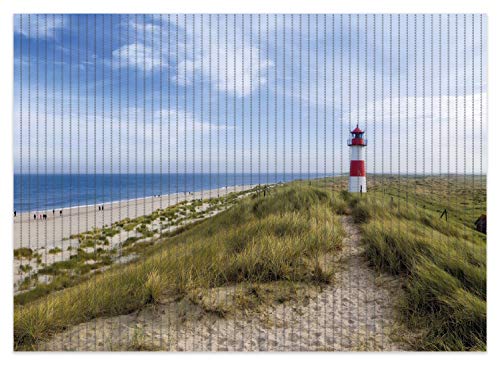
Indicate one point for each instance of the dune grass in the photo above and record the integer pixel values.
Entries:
(286, 236)
(443, 263)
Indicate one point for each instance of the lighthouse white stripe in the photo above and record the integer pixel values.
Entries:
(357, 153)
(357, 184)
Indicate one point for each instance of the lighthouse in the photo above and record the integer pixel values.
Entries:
(357, 171)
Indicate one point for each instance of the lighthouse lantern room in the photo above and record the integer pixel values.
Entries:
(357, 172)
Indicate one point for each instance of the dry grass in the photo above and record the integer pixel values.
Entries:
(443, 262)
(260, 240)
(278, 241)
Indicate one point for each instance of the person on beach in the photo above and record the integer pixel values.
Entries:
(60, 213)
(34, 216)
(15, 213)
(53, 212)
(99, 207)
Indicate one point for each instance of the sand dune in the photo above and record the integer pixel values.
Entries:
(355, 313)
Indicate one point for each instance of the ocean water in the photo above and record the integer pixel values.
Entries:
(46, 192)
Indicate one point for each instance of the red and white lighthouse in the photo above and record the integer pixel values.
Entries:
(357, 172)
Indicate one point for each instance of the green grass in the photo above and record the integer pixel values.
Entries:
(55, 250)
(25, 268)
(129, 241)
(23, 252)
(64, 274)
(443, 263)
(290, 236)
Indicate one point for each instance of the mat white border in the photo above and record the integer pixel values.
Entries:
(10, 7)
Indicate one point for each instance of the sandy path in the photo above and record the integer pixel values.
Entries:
(354, 314)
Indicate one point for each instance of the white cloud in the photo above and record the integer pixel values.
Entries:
(238, 71)
(231, 62)
(47, 24)
(229, 68)
(138, 55)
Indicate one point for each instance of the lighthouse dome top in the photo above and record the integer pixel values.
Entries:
(357, 130)
(357, 138)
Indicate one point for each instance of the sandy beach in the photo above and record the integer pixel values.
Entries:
(50, 233)
(42, 235)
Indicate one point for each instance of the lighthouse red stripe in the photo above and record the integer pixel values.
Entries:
(357, 168)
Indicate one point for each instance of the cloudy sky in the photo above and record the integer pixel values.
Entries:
(207, 93)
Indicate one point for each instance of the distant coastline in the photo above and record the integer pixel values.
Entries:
(43, 193)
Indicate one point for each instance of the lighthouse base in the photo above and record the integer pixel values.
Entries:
(357, 184)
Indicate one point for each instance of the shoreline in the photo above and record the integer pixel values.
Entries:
(281, 178)
(205, 194)
(50, 232)
(110, 202)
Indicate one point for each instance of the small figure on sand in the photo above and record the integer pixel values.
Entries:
(60, 212)
(15, 213)
(44, 216)
(99, 207)
(34, 216)
(53, 212)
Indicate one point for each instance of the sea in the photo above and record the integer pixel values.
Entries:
(40, 192)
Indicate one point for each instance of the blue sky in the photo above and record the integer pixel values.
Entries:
(159, 93)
